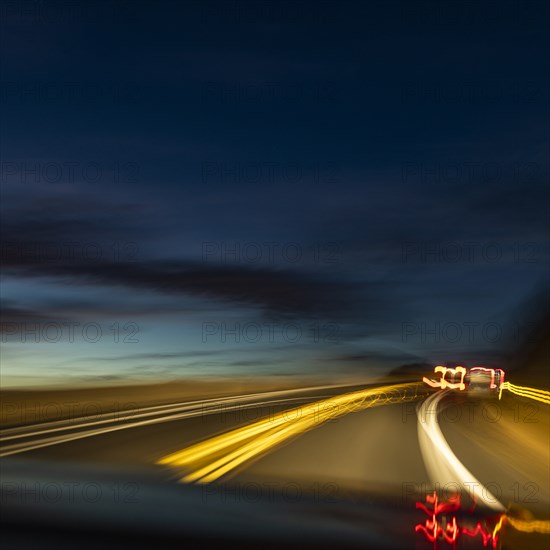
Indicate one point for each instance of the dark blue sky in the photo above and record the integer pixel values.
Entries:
(347, 185)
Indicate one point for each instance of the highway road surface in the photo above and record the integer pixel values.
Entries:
(344, 466)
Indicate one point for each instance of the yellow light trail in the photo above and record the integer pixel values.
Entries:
(531, 393)
(525, 526)
(219, 455)
(498, 526)
(529, 526)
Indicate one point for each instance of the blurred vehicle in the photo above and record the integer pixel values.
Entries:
(480, 381)
(484, 382)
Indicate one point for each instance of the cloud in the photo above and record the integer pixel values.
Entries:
(37, 248)
(11, 314)
(278, 291)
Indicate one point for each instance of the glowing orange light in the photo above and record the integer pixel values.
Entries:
(443, 382)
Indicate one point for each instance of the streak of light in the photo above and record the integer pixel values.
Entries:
(441, 463)
(219, 455)
(529, 526)
(432, 528)
(85, 421)
(531, 393)
(174, 414)
(443, 382)
(485, 535)
(498, 526)
(442, 522)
